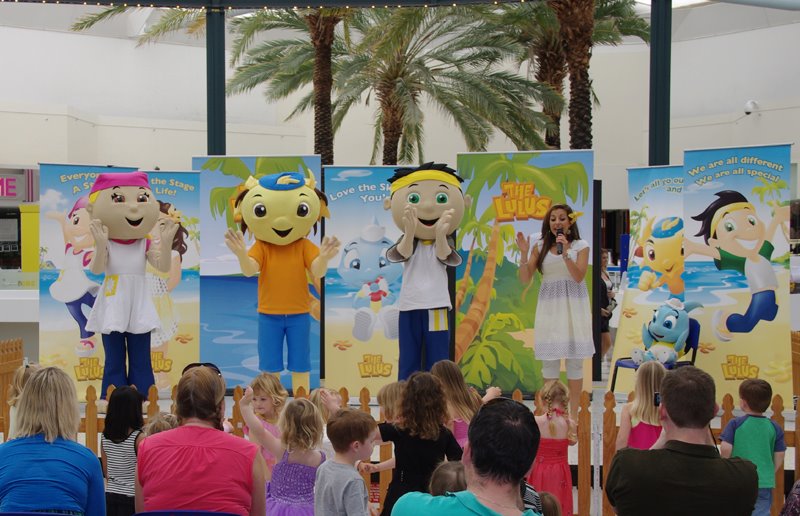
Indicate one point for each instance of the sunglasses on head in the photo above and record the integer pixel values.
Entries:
(209, 365)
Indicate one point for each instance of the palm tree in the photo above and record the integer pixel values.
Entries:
(407, 56)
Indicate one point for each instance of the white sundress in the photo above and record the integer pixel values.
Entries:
(124, 303)
(563, 324)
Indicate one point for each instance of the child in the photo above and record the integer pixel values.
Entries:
(269, 397)
(328, 402)
(756, 438)
(421, 441)
(550, 505)
(462, 403)
(389, 402)
(448, 477)
(551, 469)
(339, 489)
(18, 381)
(291, 490)
(639, 423)
(119, 446)
(161, 422)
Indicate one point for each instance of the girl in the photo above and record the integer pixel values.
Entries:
(448, 477)
(551, 469)
(119, 446)
(462, 403)
(550, 505)
(161, 422)
(327, 401)
(563, 315)
(269, 397)
(18, 381)
(291, 490)
(639, 425)
(389, 402)
(421, 441)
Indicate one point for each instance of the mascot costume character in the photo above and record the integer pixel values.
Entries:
(280, 210)
(665, 337)
(124, 211)
(427, 204)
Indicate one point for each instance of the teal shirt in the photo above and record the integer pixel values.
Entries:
(455, 504)
(756, 438)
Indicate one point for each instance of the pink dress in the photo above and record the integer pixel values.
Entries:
(460, 429)
(276, 432)
(643, 435)
(551, 472)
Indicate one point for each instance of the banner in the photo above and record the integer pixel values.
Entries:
(655, 261)
(361, 286)
(229, 334)
(511, 192)
(68, 288)
(736, 208)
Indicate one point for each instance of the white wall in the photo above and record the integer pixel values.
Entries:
(77, 98)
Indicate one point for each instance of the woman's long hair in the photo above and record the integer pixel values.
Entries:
(48, 405)
(201, 394)
(549, 239)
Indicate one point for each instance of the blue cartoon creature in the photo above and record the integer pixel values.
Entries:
(666, 335)
(662, 255)
(364, 267)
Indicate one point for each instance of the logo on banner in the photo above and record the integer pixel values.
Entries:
(374, 366)
(518, 201)
(89, 369)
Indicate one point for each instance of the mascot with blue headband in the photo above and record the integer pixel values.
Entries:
(280, 210)
(662, 244)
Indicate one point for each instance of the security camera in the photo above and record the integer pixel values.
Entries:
(750, 106)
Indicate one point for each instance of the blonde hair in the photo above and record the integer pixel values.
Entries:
(550, 504)
(266, 384)
(301, 425)
(648, 383)
(161, 422)
(316, 399)
(461, 401)
(389, 397)
(48, 405)
(448, 477)
(201, 394)
(554, 393)
(18, 381)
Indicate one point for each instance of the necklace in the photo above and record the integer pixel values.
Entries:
(496, 503)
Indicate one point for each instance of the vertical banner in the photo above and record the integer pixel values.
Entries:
(736, 208)
(68, 288)
(362, 286)
(511, 192)
(655, 259)
(229, 307)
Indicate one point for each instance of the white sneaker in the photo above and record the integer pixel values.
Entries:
(720, 332)
(390, 317)
(363, 324)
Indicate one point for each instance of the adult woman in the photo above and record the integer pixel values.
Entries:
(563, 326)
(43, 469)
(197, 466)
(606, 303)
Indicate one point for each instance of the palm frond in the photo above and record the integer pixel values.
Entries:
(173, 20)
(90, 20)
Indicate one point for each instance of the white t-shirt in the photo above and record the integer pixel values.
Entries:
(424, 280)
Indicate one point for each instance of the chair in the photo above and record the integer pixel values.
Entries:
(183, 512)
(692, 343)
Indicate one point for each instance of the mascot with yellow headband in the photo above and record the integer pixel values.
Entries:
(738, 240)
(427, 204)
(280, 210)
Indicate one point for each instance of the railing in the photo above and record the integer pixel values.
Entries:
(11, 358)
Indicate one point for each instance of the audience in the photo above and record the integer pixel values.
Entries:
(448, 477)
(119, 446)
(503, 439)
(328, 402)
(389, 397)
(550, 504)
(161, 422)
(792, 505)
(269, 397)
(197, 466)
(462, 402)
(683, 473)
(339, 490)
(43, 468)
(639, 423)
(756, 438)
(18, 381)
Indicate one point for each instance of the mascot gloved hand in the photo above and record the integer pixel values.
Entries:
(427, 204)
(124, 211)
(280, 210)
(665, 336)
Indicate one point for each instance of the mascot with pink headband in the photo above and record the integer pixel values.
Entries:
(123, 212)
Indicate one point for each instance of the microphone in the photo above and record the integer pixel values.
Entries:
(559, 245)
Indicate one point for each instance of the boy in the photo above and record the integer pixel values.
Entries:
(339, 490)
(756, 438)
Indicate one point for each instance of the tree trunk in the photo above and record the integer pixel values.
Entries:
(552, 70)
(462, 292)
(479, 306)
(576, 18)
(392, 124)
(322, 30)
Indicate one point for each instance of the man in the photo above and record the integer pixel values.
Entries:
(683, 473)
(503, 439)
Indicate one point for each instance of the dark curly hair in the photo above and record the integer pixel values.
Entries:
(423, 408)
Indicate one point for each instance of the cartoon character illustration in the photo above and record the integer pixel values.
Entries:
(73, 287)
(665, 336)
(280, 210)
(662, 244)
(364, 266)
(427, 204)
(123, 212)
(162, 284)
(738, 240)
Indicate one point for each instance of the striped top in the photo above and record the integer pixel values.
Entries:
(121, 464)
